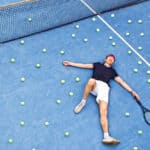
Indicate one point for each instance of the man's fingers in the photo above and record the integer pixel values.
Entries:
(65, 63)
(136, 97)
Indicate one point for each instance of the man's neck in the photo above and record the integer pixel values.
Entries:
(107, 65)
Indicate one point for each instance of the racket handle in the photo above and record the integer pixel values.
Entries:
(139, 102)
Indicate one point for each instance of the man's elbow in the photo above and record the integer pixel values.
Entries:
(119, 80)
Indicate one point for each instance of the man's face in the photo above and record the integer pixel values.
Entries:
(110, 60)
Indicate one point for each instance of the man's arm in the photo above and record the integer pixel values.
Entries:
(79, 65)
(127, 87)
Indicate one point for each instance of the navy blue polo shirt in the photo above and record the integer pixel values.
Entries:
(103, 73)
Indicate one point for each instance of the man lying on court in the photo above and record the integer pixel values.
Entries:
(98, 85)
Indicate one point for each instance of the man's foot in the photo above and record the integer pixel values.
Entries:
(79, 107)
(110, 140)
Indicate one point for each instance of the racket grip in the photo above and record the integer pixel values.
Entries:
(139, 102)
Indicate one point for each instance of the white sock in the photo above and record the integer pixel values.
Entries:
(83, 101)
(106, 134)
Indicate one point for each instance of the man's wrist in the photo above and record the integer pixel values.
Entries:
(70, 64)
(131, 91)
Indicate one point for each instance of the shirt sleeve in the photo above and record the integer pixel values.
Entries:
(95, 64)
(115, 74)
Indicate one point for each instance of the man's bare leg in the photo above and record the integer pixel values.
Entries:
(103, 108)
(89, 87)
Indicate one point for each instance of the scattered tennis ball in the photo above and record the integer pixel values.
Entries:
(58, 101)
(29, 19)
(140, 48)
(22, 103)
(77, 79)
(129, 21)
(97, 30)
(22, 123)
(148, 71)
(141, 34)
(46, 123)
(62, 81)
(135, 70)
(22, 42)
(93, 19)
(113, 44)
(73, 35)
(140, 132)
(71, 93)
(22, 79)
(37, 65)
(129, 52)
(139, 62)
(10, 141)
(112, 15)
(135, 148)
(62, 52)
(85, 40)
(66, 133)
(127, 33)
(148, 81)
(127, 114)
(140, 21)
(44, 50)
(77, 26)
(110, 37)
(12, 60)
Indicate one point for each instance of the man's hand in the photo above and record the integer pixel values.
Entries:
(135, 95)
(67, 63)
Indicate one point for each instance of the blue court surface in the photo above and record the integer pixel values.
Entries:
(38, 94)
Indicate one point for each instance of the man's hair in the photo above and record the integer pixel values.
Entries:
(111, 56)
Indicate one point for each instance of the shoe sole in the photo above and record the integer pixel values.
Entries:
(111, 142)
(76, 112)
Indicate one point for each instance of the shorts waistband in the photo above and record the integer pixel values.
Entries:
(102, 82)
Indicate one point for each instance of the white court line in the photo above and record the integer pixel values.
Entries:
(113, 30)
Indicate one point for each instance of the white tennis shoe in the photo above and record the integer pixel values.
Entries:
(110, 140)
(79, 107)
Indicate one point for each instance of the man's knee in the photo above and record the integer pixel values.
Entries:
(92, 82)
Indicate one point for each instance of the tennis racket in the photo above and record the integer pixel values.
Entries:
(146, 112)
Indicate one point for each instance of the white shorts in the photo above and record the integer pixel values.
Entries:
(101, 91)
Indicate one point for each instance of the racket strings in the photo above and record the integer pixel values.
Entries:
(147, 116)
